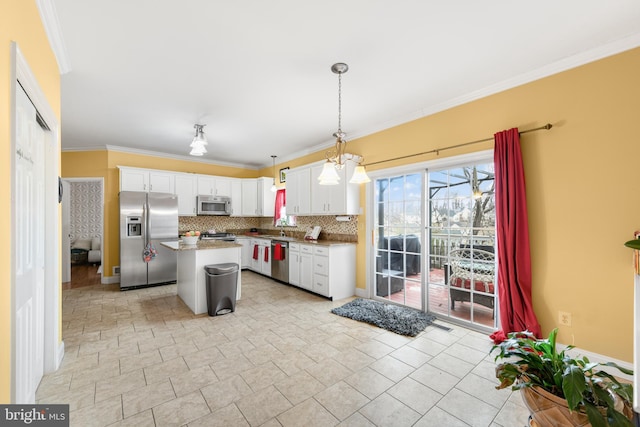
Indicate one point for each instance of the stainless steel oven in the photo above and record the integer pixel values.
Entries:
(280, 260)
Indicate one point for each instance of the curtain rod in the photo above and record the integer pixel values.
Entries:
(437, 150)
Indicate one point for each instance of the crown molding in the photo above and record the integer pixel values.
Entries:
(170, 156)
(49, 18)
(630, 42)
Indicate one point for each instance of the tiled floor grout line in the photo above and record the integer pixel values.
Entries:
(272, 323)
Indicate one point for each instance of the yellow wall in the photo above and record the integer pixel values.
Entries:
(582, 190)
(582, 195)
(19, 22)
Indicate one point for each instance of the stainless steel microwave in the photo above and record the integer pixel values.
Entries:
(213, 205)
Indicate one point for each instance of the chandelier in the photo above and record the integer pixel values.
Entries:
(198, 145)
(337, 156)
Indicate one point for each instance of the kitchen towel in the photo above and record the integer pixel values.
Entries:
(149, 253)
(266, 254)
(277, 252)
(255, 251)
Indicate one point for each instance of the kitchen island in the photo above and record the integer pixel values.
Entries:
(191, 277)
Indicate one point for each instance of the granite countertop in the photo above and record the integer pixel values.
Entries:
(201, 245)
(296, 240)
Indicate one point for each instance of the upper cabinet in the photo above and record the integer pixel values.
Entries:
(214, 185)
(305, 196)
(135, 179)
(257, 197)
(186, 190)
(299, 191)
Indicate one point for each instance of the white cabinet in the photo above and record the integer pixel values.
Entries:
(299, 191)
(236, 197)
(325, 270)
(301, 265)
(261, 256)
(161, 182)
(257, 197)
(340, 199)
(134, 179)
(214, 185)
(249, 197)
(186, 191)
(246, 251)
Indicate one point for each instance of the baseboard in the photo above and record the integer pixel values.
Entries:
(599, 358)
(109, 280)
(362, 293)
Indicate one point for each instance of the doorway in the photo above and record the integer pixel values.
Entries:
(432, 231)
(36, 347)
(82, 231)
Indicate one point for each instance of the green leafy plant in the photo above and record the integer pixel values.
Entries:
(537, 362)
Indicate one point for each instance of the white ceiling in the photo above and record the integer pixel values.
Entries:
(257, 72)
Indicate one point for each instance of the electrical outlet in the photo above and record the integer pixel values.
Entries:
(564, 318)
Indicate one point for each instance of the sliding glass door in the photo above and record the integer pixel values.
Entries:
(398, 234)
(461, 233)
(434, 241)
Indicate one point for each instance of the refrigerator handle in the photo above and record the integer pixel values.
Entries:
(145, 224)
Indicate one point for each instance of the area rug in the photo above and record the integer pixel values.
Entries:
(394, 318)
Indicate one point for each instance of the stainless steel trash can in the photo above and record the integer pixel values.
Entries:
(222, 286)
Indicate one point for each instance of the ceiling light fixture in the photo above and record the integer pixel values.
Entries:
(337, 157)
(198, 145)
(273, 173)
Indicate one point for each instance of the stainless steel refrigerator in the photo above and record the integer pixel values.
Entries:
(146, 219)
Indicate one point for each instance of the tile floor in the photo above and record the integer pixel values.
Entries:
(141, 358)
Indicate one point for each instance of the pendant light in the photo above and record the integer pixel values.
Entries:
(273, 174)
(337, 157)
(198, 145)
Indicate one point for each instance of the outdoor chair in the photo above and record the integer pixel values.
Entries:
(472, 266)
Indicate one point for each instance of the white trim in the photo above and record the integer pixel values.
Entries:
(49, 18)
(362, 293)
(110, 280)
(21, 72)
(600, 358)
(60, 354)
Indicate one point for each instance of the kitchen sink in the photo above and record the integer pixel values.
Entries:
(284, 238)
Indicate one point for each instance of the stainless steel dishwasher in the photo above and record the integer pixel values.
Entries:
(280, 260)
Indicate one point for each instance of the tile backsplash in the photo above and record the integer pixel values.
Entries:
(346, 231)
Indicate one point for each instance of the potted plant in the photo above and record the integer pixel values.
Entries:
(559, 389)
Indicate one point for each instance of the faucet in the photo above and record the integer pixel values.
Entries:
(282, 223)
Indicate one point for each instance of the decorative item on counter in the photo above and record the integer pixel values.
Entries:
(191, 237)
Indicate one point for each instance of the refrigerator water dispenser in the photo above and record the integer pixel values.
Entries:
(134, 226)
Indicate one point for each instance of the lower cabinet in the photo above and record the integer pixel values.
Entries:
(260, 262)
(246, 251)
(301, 265)
(329, 271)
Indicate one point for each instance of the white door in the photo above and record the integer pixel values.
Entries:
(29, 226)
(66, 232)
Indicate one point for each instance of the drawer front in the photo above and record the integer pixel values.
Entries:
(294, 247)
(321, 285)
(321, 265)
(321, 251)
(306, 249)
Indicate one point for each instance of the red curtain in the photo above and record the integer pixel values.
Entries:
(512, 228)
(281, 200)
